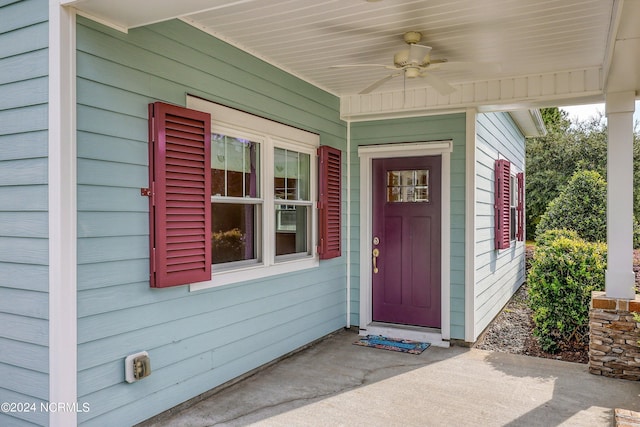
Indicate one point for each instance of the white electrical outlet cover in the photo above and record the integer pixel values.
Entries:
(128, 366)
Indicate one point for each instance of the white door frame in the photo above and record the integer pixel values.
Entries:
(367, 154)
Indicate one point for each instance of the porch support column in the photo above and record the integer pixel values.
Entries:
(619, 277)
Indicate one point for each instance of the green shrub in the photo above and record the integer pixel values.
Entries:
(562, 276)
(580, 206)
(549, 236)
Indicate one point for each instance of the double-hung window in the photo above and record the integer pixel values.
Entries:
(235, 195)
(236, 200)
(509, 205)
(263, 184)
(292, 202)
(513, 206)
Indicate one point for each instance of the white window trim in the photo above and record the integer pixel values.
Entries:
(513, 208)
(269, 134)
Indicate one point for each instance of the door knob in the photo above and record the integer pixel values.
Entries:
(376, 253)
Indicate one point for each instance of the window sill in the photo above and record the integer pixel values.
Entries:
(221, 278)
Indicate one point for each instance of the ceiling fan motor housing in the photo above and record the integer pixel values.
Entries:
(402, 59)
(412, 37)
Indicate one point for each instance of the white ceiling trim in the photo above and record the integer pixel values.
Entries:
(105, 22)
(489, 95)
(124, 14)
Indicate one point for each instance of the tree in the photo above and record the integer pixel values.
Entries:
(581, 206)
(569, 146)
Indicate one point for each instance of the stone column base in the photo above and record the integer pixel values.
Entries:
(613, 337)
(626, 418)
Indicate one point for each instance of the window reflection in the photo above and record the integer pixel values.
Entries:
(291, 229)
(235, 168)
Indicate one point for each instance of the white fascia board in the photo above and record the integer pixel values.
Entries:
(529, 122)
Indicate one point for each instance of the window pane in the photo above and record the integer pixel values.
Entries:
(408, 186)
(235, 167)
(235, 235)
(292, 229)
(291, 174)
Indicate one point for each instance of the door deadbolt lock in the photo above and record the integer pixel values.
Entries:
(376, 253)
(376, 240)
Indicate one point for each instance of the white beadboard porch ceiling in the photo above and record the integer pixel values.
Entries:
(306, 37)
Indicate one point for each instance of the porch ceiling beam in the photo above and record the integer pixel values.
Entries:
(532, 91)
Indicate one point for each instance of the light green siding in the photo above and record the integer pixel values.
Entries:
(434, 128)
(196, 340)
(499, 273)
(24, 298)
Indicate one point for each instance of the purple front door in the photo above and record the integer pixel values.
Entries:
(406, 240)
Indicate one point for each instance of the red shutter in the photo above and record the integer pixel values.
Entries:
(329, 207)
(502, 211)
(520, 208)
(180, 202)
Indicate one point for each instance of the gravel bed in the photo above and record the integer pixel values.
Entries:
(510, 331)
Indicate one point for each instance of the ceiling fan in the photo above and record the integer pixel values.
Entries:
(414, 62)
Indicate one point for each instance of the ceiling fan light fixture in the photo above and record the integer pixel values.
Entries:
(401, 58)
(412, 72)
(419, 55)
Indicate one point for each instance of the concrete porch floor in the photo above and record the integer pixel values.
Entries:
(335, 383)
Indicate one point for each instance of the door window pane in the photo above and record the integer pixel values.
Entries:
(408, 186)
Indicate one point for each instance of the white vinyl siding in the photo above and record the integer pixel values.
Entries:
(498, 273)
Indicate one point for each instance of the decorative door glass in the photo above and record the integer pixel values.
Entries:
(408, 186)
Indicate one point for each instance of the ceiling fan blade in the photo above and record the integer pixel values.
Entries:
(438, 84)
(377, 84)
(357, 65)
(417, 53)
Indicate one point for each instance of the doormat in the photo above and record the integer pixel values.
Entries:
(404, 346)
